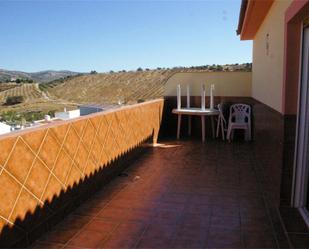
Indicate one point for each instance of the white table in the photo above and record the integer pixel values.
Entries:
(196, 112)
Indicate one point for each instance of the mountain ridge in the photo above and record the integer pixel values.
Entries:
(39, 77)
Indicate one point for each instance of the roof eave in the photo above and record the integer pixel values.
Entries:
(242, 14)
(252, 15)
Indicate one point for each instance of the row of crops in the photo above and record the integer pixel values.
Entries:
(28, 91)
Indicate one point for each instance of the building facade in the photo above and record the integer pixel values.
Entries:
(280, 34)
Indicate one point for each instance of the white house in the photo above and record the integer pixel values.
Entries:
(4, 128)
(89, 109)
(65, 115)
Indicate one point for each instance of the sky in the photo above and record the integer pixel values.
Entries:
(119, 35)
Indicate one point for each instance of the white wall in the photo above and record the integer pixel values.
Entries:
(4, 128)
(68, 114)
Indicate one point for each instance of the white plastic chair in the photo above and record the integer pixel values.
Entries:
(221, 124)
(240, 118)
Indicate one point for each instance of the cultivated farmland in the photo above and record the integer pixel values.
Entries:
(30, 92)
(109, 88)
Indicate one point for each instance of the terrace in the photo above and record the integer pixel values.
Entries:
(186, 195)
(120, 179)
(95, 182)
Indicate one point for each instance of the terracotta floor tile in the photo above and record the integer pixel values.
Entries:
(101, 225)
(226, 210)
(71, 247)
(224, 238)
(145, 205)
(126, 235)
(253, 239)
(193, 208)
(255, 224)
(225, 201)
(46, 245)
(196, 220)
(167, 217)
(160, 231)
(129, 229)
(88, 239)
(187, 243)
(300, 240)
(117, 214)
(141, 215)
(170, 206)
(98, 201)
(201, 198)
(119, 243)
(87, 211)
(225, 222)
(152, 242)
(175, 198)
(73, 222)
(197, 233)
(253, 212)
(59, 236)
(120, 203)
(251, 203)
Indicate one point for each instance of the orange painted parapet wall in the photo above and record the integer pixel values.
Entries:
(37, 164)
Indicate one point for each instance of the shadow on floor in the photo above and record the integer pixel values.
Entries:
(24, 232)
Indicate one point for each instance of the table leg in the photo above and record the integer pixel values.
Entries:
(178, 126)
(189, 125)
(212, 126)
(203, 128)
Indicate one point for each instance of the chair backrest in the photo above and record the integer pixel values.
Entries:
(240, 113)
(221, 113)
(225, 109)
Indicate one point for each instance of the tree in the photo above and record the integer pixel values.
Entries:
(18, 81)
(51, 113)
(93, 72)
(219, 68)
(13, 100)
(139, 69)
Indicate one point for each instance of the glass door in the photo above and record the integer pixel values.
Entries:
(301, 172)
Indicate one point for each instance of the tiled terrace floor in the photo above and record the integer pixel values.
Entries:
(185, 196)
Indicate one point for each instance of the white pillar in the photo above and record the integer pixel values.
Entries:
(203, 94)
(178, 97)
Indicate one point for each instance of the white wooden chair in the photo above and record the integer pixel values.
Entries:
(240, 118)
(221, 124)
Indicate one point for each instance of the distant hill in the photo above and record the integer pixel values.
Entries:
(125, 87)
(59, 89)
(42, 76)
(110, 88)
